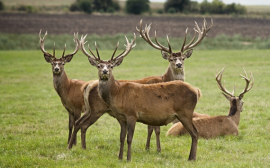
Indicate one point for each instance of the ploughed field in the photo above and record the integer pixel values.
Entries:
(111, 25)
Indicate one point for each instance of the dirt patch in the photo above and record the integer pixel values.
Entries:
(103, 25)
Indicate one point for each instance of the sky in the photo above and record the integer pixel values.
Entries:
(242, 2)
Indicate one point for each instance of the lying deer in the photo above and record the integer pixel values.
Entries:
(213, 126)
(131, 102)
(68, 90)
(175, 70)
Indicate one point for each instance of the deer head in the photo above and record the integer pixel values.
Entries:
(235, 101)
(105, 67)
(57, 64)
(176, 59)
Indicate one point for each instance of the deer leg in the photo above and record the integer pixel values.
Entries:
(123, 134)
(188, 124)
(85, 124)
(149, 133)
(157, 132)
(70, 125)
(74, 135)
(131, 122)
(77, 115)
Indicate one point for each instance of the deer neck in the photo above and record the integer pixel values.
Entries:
(234, 113)
(61, 83)
(174, 74)
(106, 88)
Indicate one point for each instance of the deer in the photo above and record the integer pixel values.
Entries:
(214, 126)
(69, 90)
(132, 102)
(175, 69)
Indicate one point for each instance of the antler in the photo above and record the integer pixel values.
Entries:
(202, 33)
(145, 35)
(247, 83)
(41, 43)
(76, 48)
(85, 52)
(129, 46)
(221, 87)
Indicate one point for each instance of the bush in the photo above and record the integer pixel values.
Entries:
(26, 8)
(74, 7)
(111, 10)
(205, 7)
(2, 6)
(171, 10)
(178, 5)
(217, 7)
(137, 6)
(160, 11)
(86, 6)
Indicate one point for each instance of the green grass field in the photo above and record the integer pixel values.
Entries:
(34, 124)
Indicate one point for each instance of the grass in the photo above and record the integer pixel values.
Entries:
(108, 42)
(34, 124)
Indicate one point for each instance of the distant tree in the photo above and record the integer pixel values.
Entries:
(179, 5)
(137, 6)
(217, 7)
(205, 7)
(104, 5)
(2, 6)
(86, 6)
(235, 9)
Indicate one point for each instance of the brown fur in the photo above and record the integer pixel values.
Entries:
(214, 126)
(131, 102)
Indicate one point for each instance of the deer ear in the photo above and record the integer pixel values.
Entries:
(165, 55)
(68, 58)
(117, 61)
(48, 58)
(227, 97)
(93, 61)
(188, 53)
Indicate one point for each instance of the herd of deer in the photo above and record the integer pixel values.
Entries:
(155, 100)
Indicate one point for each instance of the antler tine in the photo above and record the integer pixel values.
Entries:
(76, 40)
(64, 51)
(82, 43)
(129, 46)
(184, 42)
(54, 49)
(247, 88)
(41, 43)
(202, 33)
(221, 87)
(145, 35)
(97, 50)
(115, 50)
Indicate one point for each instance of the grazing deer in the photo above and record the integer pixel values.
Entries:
(176, 60)
(213, 126)
(131, 102)
(69, 90)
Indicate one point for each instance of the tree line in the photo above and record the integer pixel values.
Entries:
(170, 6)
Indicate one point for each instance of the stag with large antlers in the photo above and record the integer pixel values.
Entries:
(175, 70)
(132, 102)
(213, 126)
(69, 90)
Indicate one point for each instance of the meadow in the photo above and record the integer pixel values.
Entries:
(34, 124)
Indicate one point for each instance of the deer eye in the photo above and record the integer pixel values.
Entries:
(98, 66)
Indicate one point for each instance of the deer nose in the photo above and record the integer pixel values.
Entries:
(56, 69)
(105, 71)
(179, 65)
